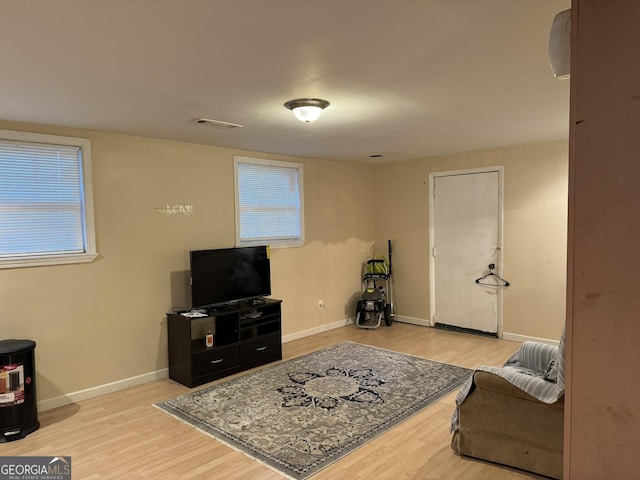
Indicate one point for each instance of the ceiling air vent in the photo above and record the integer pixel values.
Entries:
(217, 123)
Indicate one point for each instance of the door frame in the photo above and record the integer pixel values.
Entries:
(432, 294)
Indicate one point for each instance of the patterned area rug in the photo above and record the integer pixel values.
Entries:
(301, 415)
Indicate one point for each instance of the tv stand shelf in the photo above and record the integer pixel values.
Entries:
(245, 335)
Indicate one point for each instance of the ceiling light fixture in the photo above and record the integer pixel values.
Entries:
(307, 109)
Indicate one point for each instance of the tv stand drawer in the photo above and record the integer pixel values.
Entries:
(215, 360)
(263, 349)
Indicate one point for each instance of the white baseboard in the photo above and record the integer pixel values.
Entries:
(514, 337)
(92, 392)
(74, 397)
(412, 320)
(319, 329)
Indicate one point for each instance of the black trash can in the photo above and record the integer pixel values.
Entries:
(18, 402)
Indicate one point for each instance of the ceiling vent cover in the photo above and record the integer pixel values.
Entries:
(216, 123)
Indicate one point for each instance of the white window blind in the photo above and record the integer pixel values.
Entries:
(269, 206)
(43, 211)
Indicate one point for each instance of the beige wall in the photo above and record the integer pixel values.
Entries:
(535, 223)
(105, 321)
(602, 410)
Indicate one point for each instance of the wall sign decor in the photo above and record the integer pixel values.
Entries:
(176, 209)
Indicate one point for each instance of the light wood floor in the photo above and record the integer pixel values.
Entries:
(122, 436)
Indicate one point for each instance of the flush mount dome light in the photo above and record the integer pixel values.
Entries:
(307, 109)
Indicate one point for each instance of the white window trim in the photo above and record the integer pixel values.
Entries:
(60, 259)
(261, 161)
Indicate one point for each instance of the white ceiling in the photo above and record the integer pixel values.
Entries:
(405, 78)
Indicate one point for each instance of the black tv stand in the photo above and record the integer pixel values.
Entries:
(243, 335)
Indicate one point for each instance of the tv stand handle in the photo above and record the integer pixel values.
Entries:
(261, 349)
(220, 360)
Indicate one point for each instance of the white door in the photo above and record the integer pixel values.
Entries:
(466, 235)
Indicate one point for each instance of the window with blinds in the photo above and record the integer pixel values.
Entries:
(46, 212)
(269, 202)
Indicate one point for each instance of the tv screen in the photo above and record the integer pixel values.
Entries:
(229, 274)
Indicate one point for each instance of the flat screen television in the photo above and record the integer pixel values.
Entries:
(228, 275)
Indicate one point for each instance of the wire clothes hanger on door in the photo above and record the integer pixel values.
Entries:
(501, 281)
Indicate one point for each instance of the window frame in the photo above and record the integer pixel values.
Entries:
(272, 242)
(90, 253)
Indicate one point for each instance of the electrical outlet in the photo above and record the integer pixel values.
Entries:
(320, 304)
